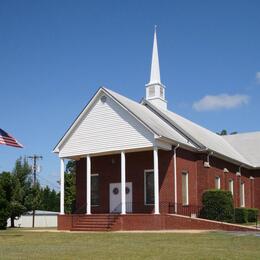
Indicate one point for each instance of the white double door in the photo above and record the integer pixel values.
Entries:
(115, 197)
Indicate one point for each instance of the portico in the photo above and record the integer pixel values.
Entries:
(123, 206)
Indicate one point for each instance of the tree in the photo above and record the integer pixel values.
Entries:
(70, 187)
(33, 197)
(13, 194)
(225, 132)
(17, 186)
(4, 209)
(49, 199)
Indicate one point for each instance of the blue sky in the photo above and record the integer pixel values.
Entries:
(54, 55)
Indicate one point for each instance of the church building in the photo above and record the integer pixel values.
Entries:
(140, 166)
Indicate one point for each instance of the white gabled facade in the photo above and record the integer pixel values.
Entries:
(105, 127)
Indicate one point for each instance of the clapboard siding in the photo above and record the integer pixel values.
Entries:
(106, 127)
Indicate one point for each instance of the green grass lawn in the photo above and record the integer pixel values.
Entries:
(21, 244)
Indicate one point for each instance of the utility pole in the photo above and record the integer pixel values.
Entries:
(34, 158)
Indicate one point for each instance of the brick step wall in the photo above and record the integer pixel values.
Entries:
(95, 222)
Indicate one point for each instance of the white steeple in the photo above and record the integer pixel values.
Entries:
(155, 90)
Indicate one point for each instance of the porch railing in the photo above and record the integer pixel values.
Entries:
(186, 210)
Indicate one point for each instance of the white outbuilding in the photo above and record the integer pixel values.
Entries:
(45, 219)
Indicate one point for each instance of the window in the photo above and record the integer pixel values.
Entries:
(242, 194)
(231, 186)
(94, 190)
(185, 188)
(161, 92)
(217, 182)
(148, 187)
(151, 91)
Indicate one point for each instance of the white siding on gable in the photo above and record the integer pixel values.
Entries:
(106, 127)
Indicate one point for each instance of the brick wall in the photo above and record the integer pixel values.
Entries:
(108, 168)
(200, 179)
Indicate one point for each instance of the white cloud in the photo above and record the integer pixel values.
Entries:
(257, 77)
(222, 101)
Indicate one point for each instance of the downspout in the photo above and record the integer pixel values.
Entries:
(238, 175)
(175, 177)
(207, 163)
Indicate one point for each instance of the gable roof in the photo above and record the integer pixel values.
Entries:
(247, 144)
(241, 148)
(207, 139)
(152, 122)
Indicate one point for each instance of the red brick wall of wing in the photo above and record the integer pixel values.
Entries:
(256, 188)
(200, 179)
(206, 179)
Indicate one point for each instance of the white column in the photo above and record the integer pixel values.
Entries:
(123, 200)
(62, 169)
(156, 180)
(88, 185)
(175, 179)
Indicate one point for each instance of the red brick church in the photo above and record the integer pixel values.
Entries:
(141, 166)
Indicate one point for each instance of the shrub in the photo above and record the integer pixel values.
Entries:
(252, 214)
(241, 215)
(217, 205)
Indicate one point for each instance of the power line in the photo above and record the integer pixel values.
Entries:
(52, 183)
(35, 158)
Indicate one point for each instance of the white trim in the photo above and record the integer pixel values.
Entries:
(186, 173)
(62, 169)
(145, 172)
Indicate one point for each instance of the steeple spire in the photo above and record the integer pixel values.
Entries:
(155, 90)
(155, 67)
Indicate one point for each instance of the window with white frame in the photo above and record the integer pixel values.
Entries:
(148, 187)
(185, 188)
(217, 182)
(231, 186)
(95, 190)
(242, 194)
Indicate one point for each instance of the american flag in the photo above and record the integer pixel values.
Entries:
(7, 139)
